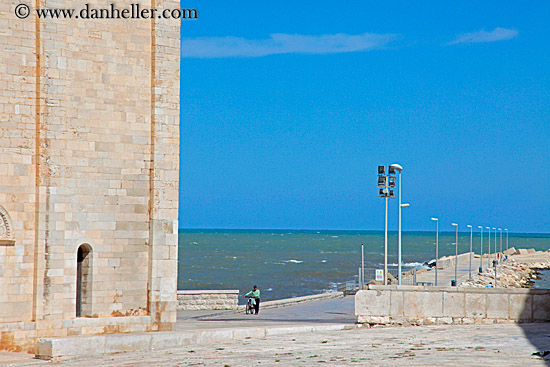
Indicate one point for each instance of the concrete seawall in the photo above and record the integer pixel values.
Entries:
(192, 300)
(450, 305)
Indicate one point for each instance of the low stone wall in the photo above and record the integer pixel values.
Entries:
(208, 300)
(450, 305)
(448, 261)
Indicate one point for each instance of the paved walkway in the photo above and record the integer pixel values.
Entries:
(444, 276)
(331, 311)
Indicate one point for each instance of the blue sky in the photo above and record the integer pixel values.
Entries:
(287, 109)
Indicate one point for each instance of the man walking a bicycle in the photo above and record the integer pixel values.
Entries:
(255, 294)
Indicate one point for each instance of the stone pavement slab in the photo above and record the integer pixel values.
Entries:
(449, 345)
(18, 359)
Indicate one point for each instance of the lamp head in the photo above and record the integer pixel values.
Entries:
(500, 229)
(434, 219)
(405, 205)
(481, 227)
(454, 224)
(397, 167)
(469, 226)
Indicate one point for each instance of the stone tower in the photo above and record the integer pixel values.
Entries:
(89, 147)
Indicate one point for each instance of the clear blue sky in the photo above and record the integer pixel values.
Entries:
(288, 107)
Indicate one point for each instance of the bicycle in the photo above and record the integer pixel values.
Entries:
(249, 308)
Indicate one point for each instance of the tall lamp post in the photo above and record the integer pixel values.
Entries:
(506, 229)
(436, 246)
(384, 183)
(481, 251)
(495, 242)
(404, 205)
(470, 267)
(489, 253)
(500, 229)
(398, 168)
(456, 253)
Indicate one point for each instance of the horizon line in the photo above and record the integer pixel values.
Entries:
(339, 229)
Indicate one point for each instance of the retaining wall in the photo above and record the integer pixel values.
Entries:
(208, 300)
(451, 305)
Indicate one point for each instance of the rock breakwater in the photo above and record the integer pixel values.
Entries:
(516, 272)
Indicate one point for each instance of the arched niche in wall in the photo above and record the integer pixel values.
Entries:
(84, 279)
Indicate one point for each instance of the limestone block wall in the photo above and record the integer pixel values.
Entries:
(17, 164)
(435, 305)
(89, 147)
(208, 300)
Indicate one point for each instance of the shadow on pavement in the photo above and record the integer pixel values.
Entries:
(537, 307)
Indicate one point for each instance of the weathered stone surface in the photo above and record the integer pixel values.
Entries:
(476, 305)
(89, 140)
(372, 303)
(208, 300)
(521, 307)
(396, 304)
(541, 307)
(454, 304)
(422, 304)
(497, 306)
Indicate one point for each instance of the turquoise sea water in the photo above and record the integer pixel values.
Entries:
(291, 263)
(543, 281)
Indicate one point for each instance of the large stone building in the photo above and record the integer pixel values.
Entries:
(89, 145)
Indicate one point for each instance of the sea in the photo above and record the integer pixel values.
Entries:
(292, 263)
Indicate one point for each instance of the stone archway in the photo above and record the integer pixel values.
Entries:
(6, 228)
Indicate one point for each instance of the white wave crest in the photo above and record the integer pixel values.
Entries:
(409, 265)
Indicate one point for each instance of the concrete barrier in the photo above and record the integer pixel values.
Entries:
(191, 300)
(446, 305)
(58, 349)
(510, 251)
(448, 261)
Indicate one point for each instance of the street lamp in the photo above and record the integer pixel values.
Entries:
(481, 251)
(489, 253)
(456, 253)
(506, 229)
(495, 242)
(470, 268)
(386, 181)
(500, 229)
(436, 246)
(404, 205)
(398, 168)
